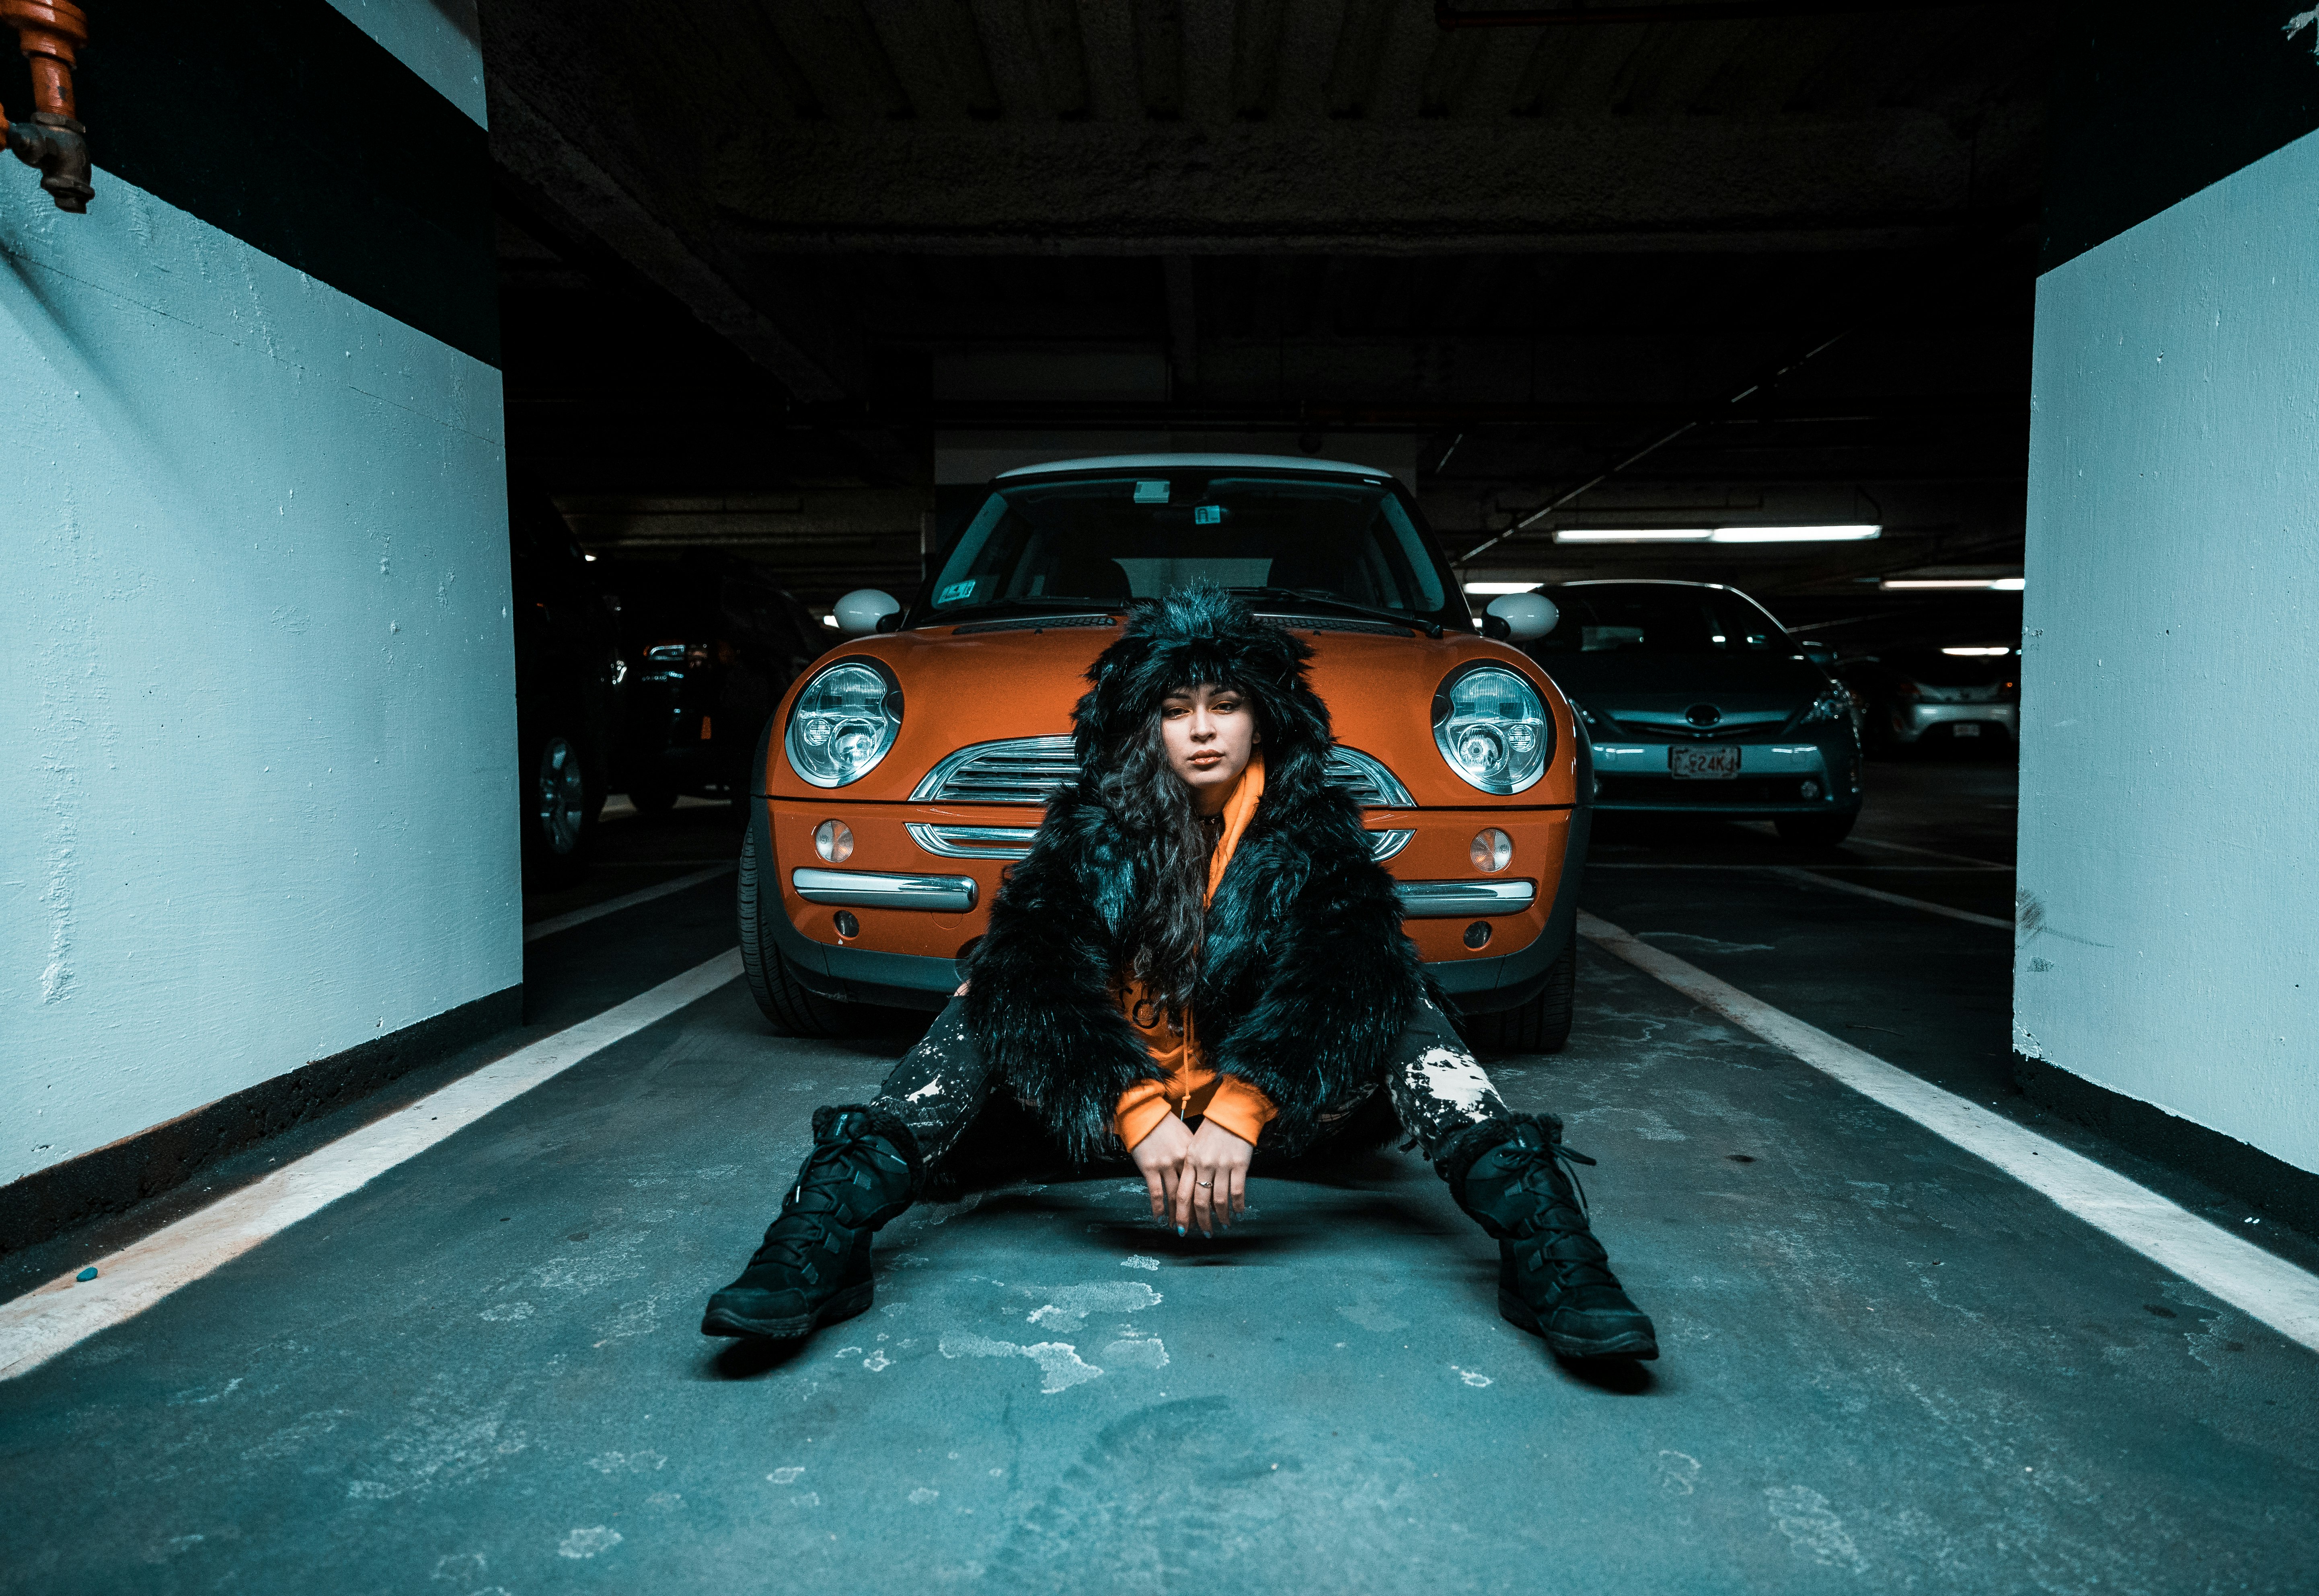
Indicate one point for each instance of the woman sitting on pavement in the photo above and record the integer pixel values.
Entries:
(1199, 954)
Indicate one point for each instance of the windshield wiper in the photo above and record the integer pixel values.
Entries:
(1022, 605)
(1341, 606)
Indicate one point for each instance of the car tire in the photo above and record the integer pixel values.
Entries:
(782, 997)
(562, 794)
(1540, 1024)
(1815, 831)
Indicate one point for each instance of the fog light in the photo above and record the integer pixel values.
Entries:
(1477, 934)
(1492, 850)
(834, 841)
(1810, 789)
(847, 925)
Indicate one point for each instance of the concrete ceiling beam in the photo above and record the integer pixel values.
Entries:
(1890, 179)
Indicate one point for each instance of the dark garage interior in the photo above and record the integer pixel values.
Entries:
(589, 528)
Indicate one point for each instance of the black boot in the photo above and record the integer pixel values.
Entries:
(1554, 1279)
(814, 1268)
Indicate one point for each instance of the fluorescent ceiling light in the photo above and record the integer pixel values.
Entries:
(1977, 653)
(2001, 584)
(1634, 535)
(1503, 587)
(1797, 534)
(1844, 534)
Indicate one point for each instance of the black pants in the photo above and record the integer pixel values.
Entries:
(1435, 1086)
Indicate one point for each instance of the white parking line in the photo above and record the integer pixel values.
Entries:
(1857, 840)
(1796, 873)
(597, 911)
(2255, 1283)
(42, 1324)
(1924, 852)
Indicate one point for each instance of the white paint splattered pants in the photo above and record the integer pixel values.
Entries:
(1434, 1085)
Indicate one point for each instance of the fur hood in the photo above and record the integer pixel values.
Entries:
(1305, 978)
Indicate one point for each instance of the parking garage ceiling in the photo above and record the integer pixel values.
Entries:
(775, 272)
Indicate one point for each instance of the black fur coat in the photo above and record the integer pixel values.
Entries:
(1305, 978)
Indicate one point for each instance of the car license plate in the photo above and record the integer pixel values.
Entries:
(1965, 729)
(1711, 764)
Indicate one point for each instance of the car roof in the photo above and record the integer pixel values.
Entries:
(1202, 463)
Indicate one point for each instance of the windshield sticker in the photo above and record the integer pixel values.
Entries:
(1150, 493)
(955, 591)
(1208, 515)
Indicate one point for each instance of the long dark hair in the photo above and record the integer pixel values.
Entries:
(1169, 919)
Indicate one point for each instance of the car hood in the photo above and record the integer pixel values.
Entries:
(1649, 692)
(961, 687)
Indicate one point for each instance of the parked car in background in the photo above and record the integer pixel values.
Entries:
(1962, 693)
(567, 690)
(710, 646)
(915, 762)
(1698, 703)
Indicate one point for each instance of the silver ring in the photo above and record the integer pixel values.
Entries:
(1203, 1183)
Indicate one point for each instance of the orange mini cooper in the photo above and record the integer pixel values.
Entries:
(904, 770)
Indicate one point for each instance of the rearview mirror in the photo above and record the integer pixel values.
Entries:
(1526, 614)
(860, 611)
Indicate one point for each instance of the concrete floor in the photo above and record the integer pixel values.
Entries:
(1886, 1367)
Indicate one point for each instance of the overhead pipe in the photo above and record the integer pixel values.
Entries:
(1580, 13)
(49, 32)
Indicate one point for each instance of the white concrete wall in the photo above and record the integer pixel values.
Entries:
(439, 40)
(2170, 771)
(257, 682)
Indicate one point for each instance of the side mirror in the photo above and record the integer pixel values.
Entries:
(860, 611)
(1525, 615)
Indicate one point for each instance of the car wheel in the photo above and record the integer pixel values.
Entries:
(1539, 1025)
(1816, 831)
(793, 1010)
(561, 798)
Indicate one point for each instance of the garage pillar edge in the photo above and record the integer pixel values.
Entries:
(111, 1179)
(2268, 1185)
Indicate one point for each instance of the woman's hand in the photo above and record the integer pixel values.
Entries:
(1160, 1156)
(1195, 1178)
(1212, 1190)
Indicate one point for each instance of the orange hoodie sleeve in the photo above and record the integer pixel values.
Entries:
(1140, 1109)
(1240, 1108)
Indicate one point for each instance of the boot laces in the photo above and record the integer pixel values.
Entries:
(1568, 1244)
(800, 1231)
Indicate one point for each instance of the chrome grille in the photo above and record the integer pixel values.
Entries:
(1373, 785)
(1014, 841)
(1028, 770)
(1018, 770)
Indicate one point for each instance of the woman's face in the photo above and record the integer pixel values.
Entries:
(1209, 734)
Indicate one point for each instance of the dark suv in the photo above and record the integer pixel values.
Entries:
(710, 646)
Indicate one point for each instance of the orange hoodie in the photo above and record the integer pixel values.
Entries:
(1191, 1087)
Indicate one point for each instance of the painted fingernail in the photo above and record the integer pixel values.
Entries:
(1180, 1231)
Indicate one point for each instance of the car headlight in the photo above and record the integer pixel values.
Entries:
(844, 721)
(1834, 704)
(1493, 729)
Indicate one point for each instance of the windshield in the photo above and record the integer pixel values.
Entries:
(1101, 541)
(1659, 617)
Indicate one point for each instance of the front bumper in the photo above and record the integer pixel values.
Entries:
(1908, 723)
(918, 892)
(1781, 778)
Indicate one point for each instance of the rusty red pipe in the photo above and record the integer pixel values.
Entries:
(51, 33)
